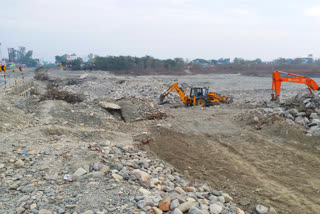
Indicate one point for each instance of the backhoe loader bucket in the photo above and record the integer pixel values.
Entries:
(229, 100)
(226, 100)
(162, 96)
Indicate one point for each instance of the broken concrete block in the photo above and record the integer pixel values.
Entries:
(107, 105)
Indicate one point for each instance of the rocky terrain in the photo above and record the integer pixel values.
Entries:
(80, 142)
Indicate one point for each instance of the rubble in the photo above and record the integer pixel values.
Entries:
(302, 109)
(128, 179)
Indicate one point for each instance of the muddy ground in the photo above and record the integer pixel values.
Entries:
(275, 164)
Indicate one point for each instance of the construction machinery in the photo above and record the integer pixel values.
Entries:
(199, 96)
(277, 80)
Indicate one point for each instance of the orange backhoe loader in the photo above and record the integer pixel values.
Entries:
(277, 80)
(198, 96)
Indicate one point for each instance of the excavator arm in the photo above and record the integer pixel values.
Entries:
(277, 80)
(174, 87)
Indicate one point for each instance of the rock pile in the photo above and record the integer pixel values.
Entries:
(303, 109)
(114, 179)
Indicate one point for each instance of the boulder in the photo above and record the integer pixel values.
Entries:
(78, 173)
(164, 206)
(156, 210)
(306, 101)
(310, 105)
(289, 116)
(262, 209)
(195, 210)
(180, 190)
(300, 120)
(216, 208)
(44, 211)
(314, 122)
(28, 189)
(19, 163)
(314, 116)
(107, 105)
(185, 206)
(144, 191)
(227, 198)
(176, 211)
(174, 204)
(141, 175)
(293, 111)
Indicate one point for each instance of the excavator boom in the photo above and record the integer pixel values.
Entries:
(277, 80)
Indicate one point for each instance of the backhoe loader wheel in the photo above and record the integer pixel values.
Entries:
(201, 102)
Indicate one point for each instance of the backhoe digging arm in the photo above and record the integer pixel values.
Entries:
(173, 87)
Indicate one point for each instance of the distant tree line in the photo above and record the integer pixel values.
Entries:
(296, 61)
(279, 61)
(125, 63)
(148, 64)
(240, 61)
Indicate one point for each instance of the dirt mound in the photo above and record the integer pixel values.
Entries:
(258, 121)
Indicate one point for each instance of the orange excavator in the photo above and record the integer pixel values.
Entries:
(199, 96)
(277, 80)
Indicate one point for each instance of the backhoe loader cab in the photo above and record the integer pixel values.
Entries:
(199, 92)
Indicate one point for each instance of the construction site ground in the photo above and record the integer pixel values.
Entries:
(274, 164)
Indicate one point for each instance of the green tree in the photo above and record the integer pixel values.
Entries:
(24, 57)
(61, 59)
(76, 64)
(258, 61)
(297, 61)
(238, 61)
(280, 61)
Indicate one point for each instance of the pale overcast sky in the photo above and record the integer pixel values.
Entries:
(163, 28)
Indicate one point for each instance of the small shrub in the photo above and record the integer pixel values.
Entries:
(41, 76)
(74, 82)
(54, 94)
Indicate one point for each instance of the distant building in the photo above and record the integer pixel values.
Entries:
(221, 61)
(72, 57)
(268, 62)
(306, 60)
(224, 61)
(213, 61)
(199, 61)
(204, 63)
